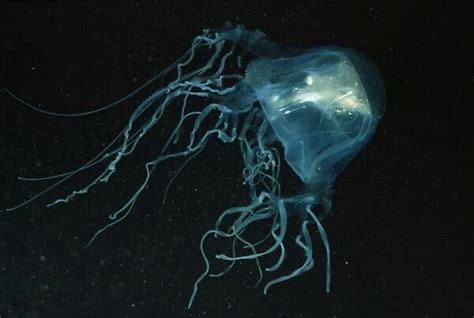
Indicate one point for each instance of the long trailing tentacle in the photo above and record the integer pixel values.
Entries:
(181, 61)
(324, 238)
(186, 83)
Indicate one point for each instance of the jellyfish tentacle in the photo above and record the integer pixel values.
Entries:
(122, 212)
(184, 60)
(126, 207)
(196, 73)
(307, 265)
(100, 157)
(181, 80)
(177, 87)
(176, 174)
(282, 215)
(197, 42)
(126, 148)
(160, 110)
(206, 266)
(324, 238)
(234, 210)
(197, 123)
(264, 206)
(231, 264)
(257, 260)
(238, 237)
(282, 254)
(235, 234)
(111, 168)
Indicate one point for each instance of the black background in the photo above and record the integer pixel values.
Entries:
(401, 227)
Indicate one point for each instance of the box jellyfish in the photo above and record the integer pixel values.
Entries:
(320, 106)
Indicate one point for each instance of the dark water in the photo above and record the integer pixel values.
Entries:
(401, 227)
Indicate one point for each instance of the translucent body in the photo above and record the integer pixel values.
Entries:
(324, 105)
(321, 104)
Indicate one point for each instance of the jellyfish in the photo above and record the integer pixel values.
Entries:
(319, 106)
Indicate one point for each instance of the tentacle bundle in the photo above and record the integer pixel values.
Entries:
(261, 174)
(202, 82)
